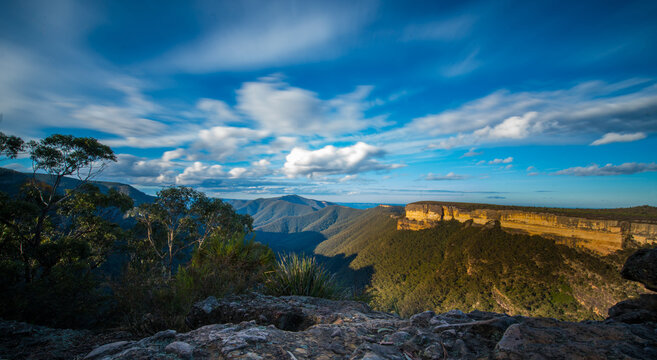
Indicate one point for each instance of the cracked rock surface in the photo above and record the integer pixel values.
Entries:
(351, 330)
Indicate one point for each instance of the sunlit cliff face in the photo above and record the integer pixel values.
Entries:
(602, 236)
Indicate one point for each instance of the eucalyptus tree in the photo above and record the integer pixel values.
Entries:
(42, 212)
(183, 218)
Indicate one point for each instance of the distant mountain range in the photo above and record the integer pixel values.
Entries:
(11, 181)
(450, 266)
(267, 210)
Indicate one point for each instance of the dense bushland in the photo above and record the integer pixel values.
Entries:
(460, 266)
(65, 263)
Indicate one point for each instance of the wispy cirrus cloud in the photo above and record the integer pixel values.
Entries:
(503, 116)
(612, 137)
(472, 153)
(609, 169)
(448, 29)
(448, 176)
(271, 34)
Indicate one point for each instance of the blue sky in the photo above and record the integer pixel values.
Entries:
(541, 103)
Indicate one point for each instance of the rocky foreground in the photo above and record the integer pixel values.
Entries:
(256, 326)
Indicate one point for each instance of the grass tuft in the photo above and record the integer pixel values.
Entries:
(302, 275)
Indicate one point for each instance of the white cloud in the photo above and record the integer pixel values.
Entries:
(612, 137)
(348, 178)
(168, 140)
(142, 171)
(609, 169)
(515, 127)
(501, 161)
(217, 110)
(198, 172)
(284, 109)
(472, 152)
(449, 176)
(593, 107)
(220, 142)
(128, 119)
(464, 66)
(271, 34)
(331, 160)
(173, 154)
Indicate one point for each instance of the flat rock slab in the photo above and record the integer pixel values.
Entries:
(553, 339)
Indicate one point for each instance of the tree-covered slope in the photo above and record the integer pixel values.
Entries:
(267, 210)
(459, 266)
(360, 231)
(11, 181)
(302, 233)
(318, 221)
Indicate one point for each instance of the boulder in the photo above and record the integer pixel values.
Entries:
(635, 311)
(291, 313)
(642, 267)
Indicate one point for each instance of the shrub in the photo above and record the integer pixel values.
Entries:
(302, 275)
(225, 267)
(150, 302)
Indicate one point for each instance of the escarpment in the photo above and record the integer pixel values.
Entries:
(596, 234)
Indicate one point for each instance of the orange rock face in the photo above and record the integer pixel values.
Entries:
(602, 236)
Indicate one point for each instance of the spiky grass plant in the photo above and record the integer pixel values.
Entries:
(302, 275)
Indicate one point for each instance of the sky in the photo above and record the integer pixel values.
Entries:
(540, 103)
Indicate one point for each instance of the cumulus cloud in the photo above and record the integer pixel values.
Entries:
(173, 154)
(501, 161)
(612, 137)
(138, 170)
(515, 127)
(219, 142)
(609, 169)
(199, 172)
(284, 109)
(449, 176)
(217, 110)
(331, 160)
(592, 107)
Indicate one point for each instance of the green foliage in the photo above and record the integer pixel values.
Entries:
(62, 155)
(11, 146)
(225, 266)
(51, 241)
(52, 281)
(146, 303)
(149, 302)
(182, 218)
(302, 275)
(455, 266)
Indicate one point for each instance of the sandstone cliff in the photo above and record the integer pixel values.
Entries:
(600, 235)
